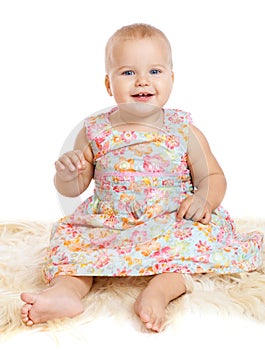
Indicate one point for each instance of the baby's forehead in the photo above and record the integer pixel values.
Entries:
(119, 41)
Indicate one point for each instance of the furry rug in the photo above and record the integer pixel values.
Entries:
(22, 251)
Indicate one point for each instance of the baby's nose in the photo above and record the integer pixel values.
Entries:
(142, 81)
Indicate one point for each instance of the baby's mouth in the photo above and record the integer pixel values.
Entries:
(143, 95)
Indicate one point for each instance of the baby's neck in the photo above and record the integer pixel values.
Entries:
(122, 120)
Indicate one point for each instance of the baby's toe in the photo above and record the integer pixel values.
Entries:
(25, 314)
(145, 316)
(158, 324)
(25, 310)
(30, 323)
(148, 318)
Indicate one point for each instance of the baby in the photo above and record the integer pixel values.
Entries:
(155, 210)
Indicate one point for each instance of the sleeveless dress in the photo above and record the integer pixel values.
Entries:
(128, 226)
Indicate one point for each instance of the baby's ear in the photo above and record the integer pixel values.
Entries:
(107, 84)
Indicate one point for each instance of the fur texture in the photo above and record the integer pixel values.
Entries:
(22, 252)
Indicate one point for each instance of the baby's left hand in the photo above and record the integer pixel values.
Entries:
(195, 208)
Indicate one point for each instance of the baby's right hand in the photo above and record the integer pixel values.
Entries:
(70, 165)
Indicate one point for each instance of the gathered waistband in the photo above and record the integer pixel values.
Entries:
(104, 179)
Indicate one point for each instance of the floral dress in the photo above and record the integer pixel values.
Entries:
(128, 226)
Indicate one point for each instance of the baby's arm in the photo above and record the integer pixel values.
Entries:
(207, 177)
(74, 169)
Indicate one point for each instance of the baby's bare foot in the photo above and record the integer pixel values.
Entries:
(50, 304)
(150, 307)
(151, 304)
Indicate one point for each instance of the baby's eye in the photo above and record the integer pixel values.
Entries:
(155, 71)
(128, 72)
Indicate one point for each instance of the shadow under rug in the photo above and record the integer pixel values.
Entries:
(23, 247)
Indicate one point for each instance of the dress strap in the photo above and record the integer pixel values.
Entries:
(177, 117)
(98, 132)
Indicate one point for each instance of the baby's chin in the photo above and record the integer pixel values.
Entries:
(138, 110)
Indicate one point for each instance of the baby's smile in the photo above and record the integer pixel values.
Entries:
(142, 96)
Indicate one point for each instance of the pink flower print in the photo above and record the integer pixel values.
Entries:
(174, 118)
(153, 193)
(70, 230)
(221, 235)
(107, 132)
(172, 141)
(118, 151)
(105, 240)
(53, 251)
(102, 260)
(155, 163)
(119, 188)
(121, 205)
(99, 140)
(128, 136)
(168, 182)
(246, 247)
(92, 128)
(105, 184)
(138, 236)
(124, 250)
(63, 260)
(111, 221)
(257, 239)
(202, 247)
(103, 148)
(182, 269)
(203, 258)
(182, 234)
(161, 255)
(182, 168)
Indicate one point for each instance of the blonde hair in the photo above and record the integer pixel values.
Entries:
(134, 31)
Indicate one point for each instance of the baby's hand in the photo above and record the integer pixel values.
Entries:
(70, 165)
(195, 208)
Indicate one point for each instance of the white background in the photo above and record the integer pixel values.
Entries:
(52, 77)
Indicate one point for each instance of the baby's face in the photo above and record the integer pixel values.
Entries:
(140, 70)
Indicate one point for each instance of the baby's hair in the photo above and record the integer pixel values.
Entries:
(135, 31)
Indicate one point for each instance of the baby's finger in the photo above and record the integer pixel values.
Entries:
(75, 159)
(206, 219)
(82, 157)
(198, 212)
(195, 211)
(59, 166)
(67, 161)
(182, 210)
(78, 159)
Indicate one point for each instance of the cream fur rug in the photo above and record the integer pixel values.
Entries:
(22, 252)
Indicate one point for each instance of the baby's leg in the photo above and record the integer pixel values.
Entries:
(151, 304)
(61, 299)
